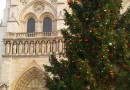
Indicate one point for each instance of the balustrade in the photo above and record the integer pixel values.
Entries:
(3, 87)
(31, 35)
(34, 47)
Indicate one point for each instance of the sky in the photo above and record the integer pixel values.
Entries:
(2, 6)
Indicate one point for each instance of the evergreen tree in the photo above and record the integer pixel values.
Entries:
(96, 48)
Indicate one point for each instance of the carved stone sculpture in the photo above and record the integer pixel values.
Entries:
(48, 47)
(7, 48)
(54, 46)
(26, 48)
(14, 48)
(60, 46)
(43, 47)
(31, 48)
(38, 7)
(20, 48)
(37, 48)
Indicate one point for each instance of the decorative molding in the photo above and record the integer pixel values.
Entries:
(61, 15)
(38, 7)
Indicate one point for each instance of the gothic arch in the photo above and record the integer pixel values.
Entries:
(46, 14)
(32, 79)
(30, 15)
(51, 16)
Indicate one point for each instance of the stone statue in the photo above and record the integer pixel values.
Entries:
(48, 47)
(14, 48)
(20, 48)
(4, 87)
(43, 47)
(37, 48)
(7, 47)
(60, 46)
(26, 48)
(31, 48)
(54, 46)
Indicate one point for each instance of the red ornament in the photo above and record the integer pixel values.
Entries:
(78, 77)
(79, 36)
(107, 50)
(69, 2)
(86, 40)
(67, 65)
(128, 44)
(86, 79)
(110, 71)
(94, 29)
(124, 66)
(73, 41)
(99, 6)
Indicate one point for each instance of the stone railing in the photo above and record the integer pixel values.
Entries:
(3, 87)
(33, 35)
(40, 46)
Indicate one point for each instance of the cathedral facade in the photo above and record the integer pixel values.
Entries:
(29, 34)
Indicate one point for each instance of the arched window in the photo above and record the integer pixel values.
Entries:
(47, 25)
(31, 25)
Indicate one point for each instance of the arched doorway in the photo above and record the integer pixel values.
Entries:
(33, 79)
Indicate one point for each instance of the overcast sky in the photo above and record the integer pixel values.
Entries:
(2, 6)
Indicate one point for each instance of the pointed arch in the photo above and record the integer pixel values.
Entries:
(32, 79)
(31, 25)
(47, 24)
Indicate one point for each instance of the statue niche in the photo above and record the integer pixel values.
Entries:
(43, 47)
(31, 47)
(20, 48)
(37, 47)
(60, 46)
(7, 48)
(48, 47)
(14, 48)
(26, 47)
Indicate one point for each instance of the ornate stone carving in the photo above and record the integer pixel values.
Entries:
(38, 7)
(48, 47)
(60, 45)
(31, 47)
(26, 47)
(37, 47)
(7, 48)
(20, 48)
(33, 79)
(14, 48)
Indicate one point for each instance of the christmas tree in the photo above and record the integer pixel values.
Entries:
(96, 48)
